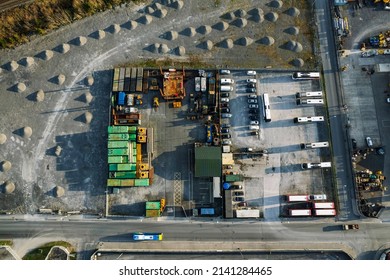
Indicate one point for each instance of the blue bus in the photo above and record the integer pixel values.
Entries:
(139, 236)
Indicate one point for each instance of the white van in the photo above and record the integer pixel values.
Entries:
(254, 127)
(226, 88)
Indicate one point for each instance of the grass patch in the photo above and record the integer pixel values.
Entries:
(19, 24)
(42, 252)
(6, 243)
(193, 62)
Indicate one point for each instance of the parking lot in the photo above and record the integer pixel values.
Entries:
(278, 172)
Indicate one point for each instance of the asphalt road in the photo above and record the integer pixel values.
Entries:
(337, 118)
(89, 233)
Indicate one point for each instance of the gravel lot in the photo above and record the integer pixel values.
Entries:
(59, 63)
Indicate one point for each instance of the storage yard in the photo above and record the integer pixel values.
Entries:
(146, 118)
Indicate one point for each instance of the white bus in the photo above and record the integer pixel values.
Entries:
(309, 119)
(311, 94)
(305, 75)
(267, 109)
(323, 205)
(310, 102)
(324, 212)
(297, 197)
(300, 212)
(312, 165)
(314, 145)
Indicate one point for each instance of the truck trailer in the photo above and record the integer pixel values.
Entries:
(300, 212)
(297, 198)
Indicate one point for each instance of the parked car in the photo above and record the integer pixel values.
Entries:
(251, 90)
(251, 81)
(226, 136)
(225, 125)
(224, 94)
(225, 110)
(253, 117)
(254, 122)
(254, 111)
(254, 132)
(226, 115)
(225, 99)
(236, 187)
(225, 130)
(225, 105)
(388, 100)
(251, 85)
(369, 142)
(229, 166)
(238, 198)
(238, 193)
(253, 106)
(226, 142)
(317, 197)
(251, 100)
(253, 96)
(242, 204)
(250, 72)
(225, 72)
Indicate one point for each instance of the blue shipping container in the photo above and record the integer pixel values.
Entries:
(121, 98)
(207, 211)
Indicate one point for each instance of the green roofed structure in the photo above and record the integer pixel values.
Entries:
(208, 161)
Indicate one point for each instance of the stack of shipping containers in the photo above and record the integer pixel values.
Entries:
(122, 157)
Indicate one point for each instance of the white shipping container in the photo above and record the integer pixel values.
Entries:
(325, 212)
(297, 198)
(300, 212)
(323, 205)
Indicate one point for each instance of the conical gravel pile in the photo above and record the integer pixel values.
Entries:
(294, 46)
(297, 62)
(267, 40)
(100, 34)
(257, 18)
(161, 13)
(240, 13)
(171, 35)
(89, 80)
(80, 41)
(227, 44)
(12, 66)
(240, 22)
(59, 191)
(180, 51)
(146, 19)
(28, 61)
(60, 79)
(40, 95)
(3, 138)
(88, 117)
(163, 48)
(154, 47)
(189, 31)
(256, 11)
(221, 26)
(204, 29)
(6, 166)
(272, 17)
(9, 187)
(244, 41)
(26, 132)
(149, 10)
(293, 30)
(20, 87)
(47, 55)
(64, 48)
(88, 97)
(276, 4)
(178, 5)
(115, 28)
(294, 12)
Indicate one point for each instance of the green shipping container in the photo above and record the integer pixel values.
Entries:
(113, 183)
(126, 167)
(117, 129)
(123, 175)
(141, 182)
(132, 137)
(127, 182)
(117, 144)
(132, 129)
(118, 137)
(117, 159)
(152, 205)
(118, 152)
(134, 159)
(113, 167)
(152, 213)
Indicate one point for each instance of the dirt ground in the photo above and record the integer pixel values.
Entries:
(59, 63)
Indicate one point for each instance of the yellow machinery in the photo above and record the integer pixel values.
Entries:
(155, 102)
(176, 104)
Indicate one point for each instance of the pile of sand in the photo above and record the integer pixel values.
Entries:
(40, 95)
